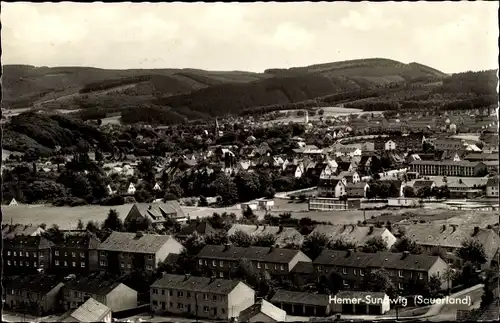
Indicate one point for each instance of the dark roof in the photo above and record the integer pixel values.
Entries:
(358, 185)
(264, 307)
(196, 284)
(84, 241)
(388, 260)
(95, 284)
(172, 258)
(286, 296)
(130, 242)
(492, 181)
(303, 267)
(329, 182)
(202, 228)
(28, 241)
(90, 311)
(265, 254)
(445, 162)
(40, 284)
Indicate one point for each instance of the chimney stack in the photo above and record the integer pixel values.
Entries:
(186, 277)
(280, 228)
(350, 252)
(405, 254)
(227, 246)
(476, 231)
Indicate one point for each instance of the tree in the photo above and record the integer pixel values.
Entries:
(80, 225)
(203, 201)
(314, 244)
(375, 244)
(408, 191)
(321, 112)
(217, 238)
(176, 190)
(264, 240)
(249, 216)
(469, 275)
(54, 234)
(472, 251)
(449, 276)
(194, 243)
(406, 244)
(342, 244)
(241, 239)
(379, 280)
(226, 189)
(434, 285)
(113, 221)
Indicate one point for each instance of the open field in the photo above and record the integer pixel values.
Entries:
(67, 217)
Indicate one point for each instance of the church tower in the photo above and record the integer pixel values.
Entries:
(216, 128)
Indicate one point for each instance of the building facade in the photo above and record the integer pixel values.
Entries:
(447, 168)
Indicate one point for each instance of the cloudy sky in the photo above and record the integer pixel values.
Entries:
(449, 36)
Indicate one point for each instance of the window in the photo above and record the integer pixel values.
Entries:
(258, 264)
(33, 254)
(319, 268)
(180, 294)
(221, 263)
(8, 262)
(155, 291)
(170, 293)
(221, 274)
(275, 266)
(41, 255)
(8, 253)
(65, 254)
(354, 272)
(163, 292)
(73, 254)
(122, 265)
(400, 286)
(73, 264)
(180, 305)
(171, 304)
(205, 297)
(103, 254)
(75, 294)
(282, 267)
(20, 253)
(56, 252)
(215, 298)
(420, 276)
(102, 263)
(82, 254)
(400, 273)
(344, 282)
(200, 262)
(344, 271)
(205, 309)
(214, 263)
(223, 311)
(188, 295)
(15, 254)
(21, 263)
(57, 262)
(265, 266)
(82, 264)
(129, 266)
(27, 254)
(15, 263)
(150, 257)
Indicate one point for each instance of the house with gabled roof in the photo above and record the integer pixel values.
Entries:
(262, 311)
(203, 297)
(334, 186)
(358, 235)
(202, 228)
(123, 252)
(492, 187)
(351, 177)
(110, 292)
(156, 213)
(358, 189)
(90, 311)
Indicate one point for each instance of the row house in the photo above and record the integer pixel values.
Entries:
(447, 168)
(26, 254)
(276, 261)
(77, 253)
(449, 144)
(115, 295)
(36, 294)
(358, 235)
(404, 268)
(124, 252)
(284, 235)
(449, 238)
(202, 297)
(13, 230)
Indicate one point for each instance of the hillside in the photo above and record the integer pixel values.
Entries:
(25, 86)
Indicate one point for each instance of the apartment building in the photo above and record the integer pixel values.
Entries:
(449, 144)
(404, 268)
(449, 238)
(77, 253)
(357, 189)
(36, 294)
(334, 187)
(202, 297)
(276, 261)
(492, 187)
(331, 204)
(447, 168)
(26, 254)
(123, 252)
(113, 294)
(284, 235)
(10, 231)
(355, 234)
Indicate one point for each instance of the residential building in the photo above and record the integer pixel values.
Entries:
(302, 303)
(421, 184)
(202, 297)
(123, 252)
(77, 253)
(110, 292)
(390, 145)
(449, 238)
(265, 205)
(26, 254)
(492, 187)
(329, 170)
(491, 166)
(40, 292)
(284, 235)
(262, 311)
(334, 187)
(448, 168)
(249, 205)
(131, 189)
(463, 188)
(449, 144)
(350, 177)
(475, 157)
(357, 189)
(276, 261)
(340, 303)
(404, 268)
(402, 202)
(156, 213)
(90, 311)
(202, 228)
(358, 235)
(10, 231)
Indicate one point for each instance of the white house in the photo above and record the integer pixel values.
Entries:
(157, 187)
(299, 171)
(334, 186)
(329, 170)
(266, 204)
(349, 177)
(110, 190)
(252, 205)
(390, 145)
(131, 189)
(13, 202)
(402, 202)
(492, 187)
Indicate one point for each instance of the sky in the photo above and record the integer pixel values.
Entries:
(449, 36)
